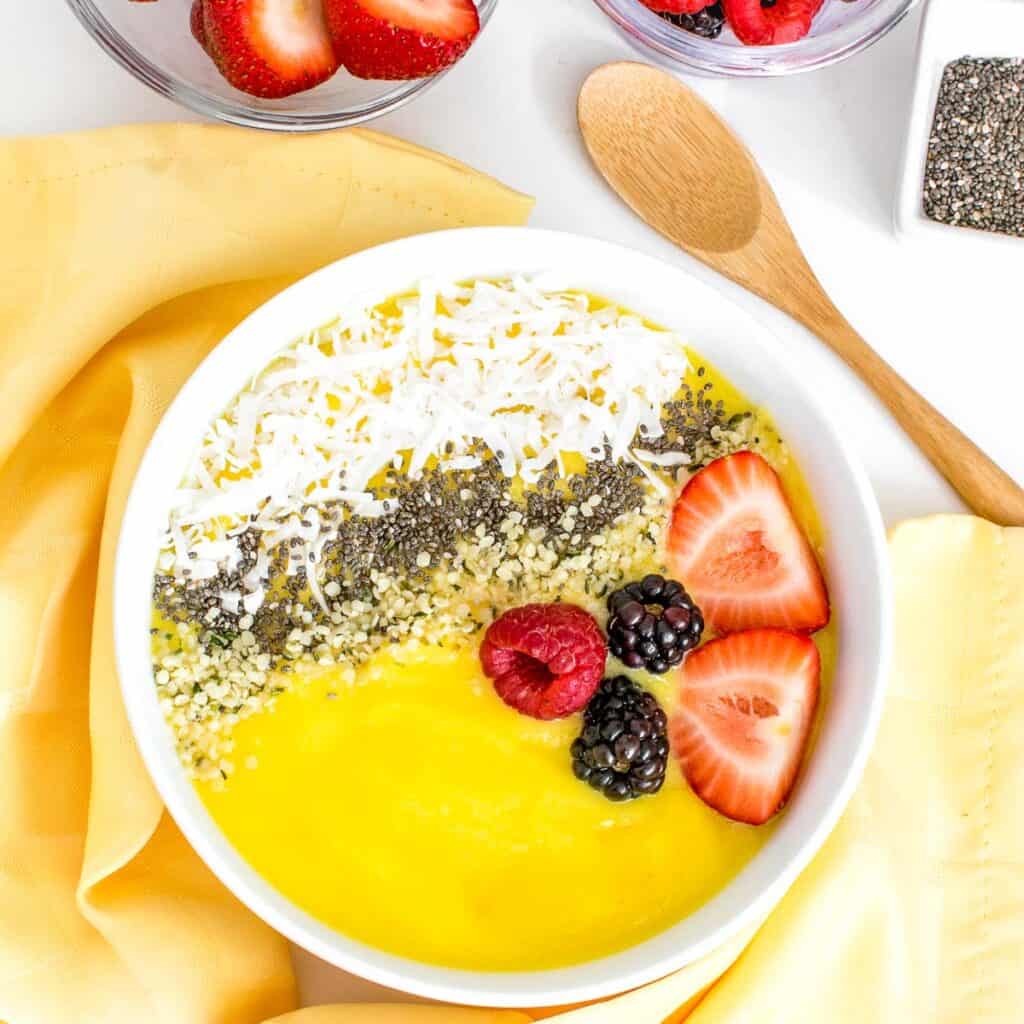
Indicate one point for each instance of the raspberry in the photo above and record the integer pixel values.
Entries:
(546, 660)
(785, 21)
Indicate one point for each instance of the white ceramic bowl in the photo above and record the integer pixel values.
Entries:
(856, 566)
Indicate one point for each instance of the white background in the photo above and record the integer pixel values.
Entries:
(947, 315)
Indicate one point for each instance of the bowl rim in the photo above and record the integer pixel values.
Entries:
(679, 49)
(746, 900)
(239, 112)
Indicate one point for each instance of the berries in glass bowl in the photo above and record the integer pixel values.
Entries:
(274, 65)
(654, 623)
(753, 22)
(689, 36)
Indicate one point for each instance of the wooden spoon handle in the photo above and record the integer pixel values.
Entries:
(984, 487)
(791, 285)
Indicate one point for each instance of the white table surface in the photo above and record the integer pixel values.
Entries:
(948, 319)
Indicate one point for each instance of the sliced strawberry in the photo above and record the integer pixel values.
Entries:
(746, 706)
(269, 48)
(198, 23)
(784, 22)
(677, 6)
(398, 39)
(736, 546)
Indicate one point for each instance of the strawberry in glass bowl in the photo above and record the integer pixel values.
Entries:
(291, 65)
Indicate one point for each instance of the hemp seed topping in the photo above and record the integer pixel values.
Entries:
(456, 547)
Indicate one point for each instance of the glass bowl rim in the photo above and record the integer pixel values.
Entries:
(676, 48)
(238, 112)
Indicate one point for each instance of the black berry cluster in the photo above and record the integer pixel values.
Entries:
(623, 749)
(653, 624)
(707, 23)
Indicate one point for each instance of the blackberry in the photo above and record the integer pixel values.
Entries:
(653, 624)
(707, 23)
(622, 751)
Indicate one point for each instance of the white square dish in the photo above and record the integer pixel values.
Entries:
(951, 29)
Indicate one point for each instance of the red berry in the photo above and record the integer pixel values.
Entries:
(198, 23)
(269, 48)
(746, 705)
(546, 660)
(396, 39)
(785, 22)
(677, 6)
(736, 546)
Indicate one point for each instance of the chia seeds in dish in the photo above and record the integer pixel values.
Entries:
(446, 550)
(974, 174)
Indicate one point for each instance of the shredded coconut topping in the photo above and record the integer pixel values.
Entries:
(527, 369)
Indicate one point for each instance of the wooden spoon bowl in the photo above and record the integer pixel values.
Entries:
(681, 168)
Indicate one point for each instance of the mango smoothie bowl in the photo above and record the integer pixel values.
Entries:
(499, 619)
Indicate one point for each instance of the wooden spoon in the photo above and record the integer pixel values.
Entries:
(678, 165)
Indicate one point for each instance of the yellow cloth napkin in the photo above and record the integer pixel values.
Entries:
(127, 255)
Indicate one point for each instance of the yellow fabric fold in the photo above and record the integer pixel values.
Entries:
(128, 254)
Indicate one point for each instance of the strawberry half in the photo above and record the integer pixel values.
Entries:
(269, 48)
(784, 22)
(736, 546)
(400, 39)
(746, 706)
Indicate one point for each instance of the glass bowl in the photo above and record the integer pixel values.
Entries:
(841, 29)
(153, 42)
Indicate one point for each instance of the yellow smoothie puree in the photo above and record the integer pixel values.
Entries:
(415, 812)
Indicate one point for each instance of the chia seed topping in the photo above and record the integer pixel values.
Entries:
(456, 548)
(974, 175)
